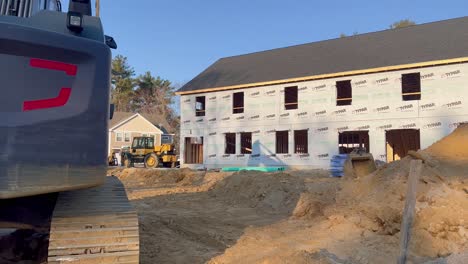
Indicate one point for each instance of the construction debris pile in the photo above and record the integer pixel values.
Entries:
(305, 216)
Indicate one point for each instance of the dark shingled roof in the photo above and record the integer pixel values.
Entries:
(119, 117)
(421, 43)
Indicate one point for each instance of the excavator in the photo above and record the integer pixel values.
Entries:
(56, 203)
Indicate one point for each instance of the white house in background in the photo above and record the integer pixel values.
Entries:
(124, 126)
(389, 91)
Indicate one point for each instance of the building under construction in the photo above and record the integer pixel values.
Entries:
(389, 92)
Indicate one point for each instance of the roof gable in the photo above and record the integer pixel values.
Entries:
(119, 117)
(421, 43)
(136, 123)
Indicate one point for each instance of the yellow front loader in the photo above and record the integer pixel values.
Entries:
(144, 151)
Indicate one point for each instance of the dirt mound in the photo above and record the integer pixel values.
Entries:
(453, 146)
(305, 216)
(278, 192)
(441, 220)
(308, 206)
(358, 220)
(149, 177)
(303, 257)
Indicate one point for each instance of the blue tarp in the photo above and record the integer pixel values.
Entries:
(337, 165)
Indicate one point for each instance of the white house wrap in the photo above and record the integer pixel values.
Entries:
(381, 114)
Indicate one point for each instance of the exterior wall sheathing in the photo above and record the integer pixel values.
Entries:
(377, 106)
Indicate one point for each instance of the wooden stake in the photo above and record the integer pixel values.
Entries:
(408, 213)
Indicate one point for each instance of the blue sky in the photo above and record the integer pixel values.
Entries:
(177, 39)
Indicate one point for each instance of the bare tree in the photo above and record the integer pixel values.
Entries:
(402, 23)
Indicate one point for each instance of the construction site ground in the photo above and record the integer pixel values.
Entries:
(296, 216)
(191, 216)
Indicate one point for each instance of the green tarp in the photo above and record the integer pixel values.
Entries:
(264, 169)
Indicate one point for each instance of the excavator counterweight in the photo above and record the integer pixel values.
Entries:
(54, 112)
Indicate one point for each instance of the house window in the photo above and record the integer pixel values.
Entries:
(344, 93)
(349, 140)
(230, 147)
(301, 142)
(118, 137)
(200, 106)
(246, 143)
(127, 137)
(411, 86)
(290, 98)
(167, 139)
(282, 142)
(238, 103)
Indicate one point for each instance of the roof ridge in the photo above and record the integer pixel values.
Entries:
(431, 41)
(347, 37)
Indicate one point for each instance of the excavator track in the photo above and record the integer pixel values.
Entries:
(96, 225)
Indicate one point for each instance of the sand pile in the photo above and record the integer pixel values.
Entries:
(305, 216)
(149, 177)
(278, 192)
(304, 257)
(454, 146)
(141, 183)
(358, 220)
(375, 202)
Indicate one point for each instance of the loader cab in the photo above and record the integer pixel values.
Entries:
(143, 143)
(141, 146)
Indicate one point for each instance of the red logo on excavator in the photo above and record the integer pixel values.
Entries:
(65, 92)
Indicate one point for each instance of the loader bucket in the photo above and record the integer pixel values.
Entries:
(359, 165)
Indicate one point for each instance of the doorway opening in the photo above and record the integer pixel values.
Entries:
(349, 140)
(400, 141)
(193, 150)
